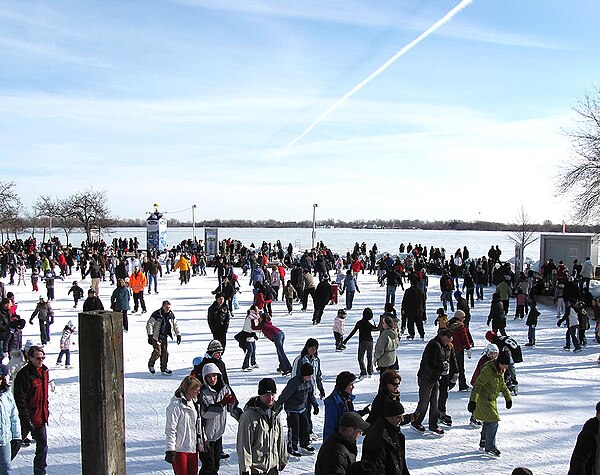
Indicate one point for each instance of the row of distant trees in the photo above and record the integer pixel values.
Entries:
(84, 210)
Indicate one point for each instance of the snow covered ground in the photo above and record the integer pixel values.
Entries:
(558, 389)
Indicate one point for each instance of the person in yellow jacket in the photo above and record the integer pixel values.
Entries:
(184, 269)
(137, 283)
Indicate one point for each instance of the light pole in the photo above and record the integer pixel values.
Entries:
(194, 223)
(314, 231)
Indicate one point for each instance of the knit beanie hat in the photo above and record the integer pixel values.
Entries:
(214, 346)
(307, 369)
(267, 386)
(344, 379)
(393, 408)
(489, 335)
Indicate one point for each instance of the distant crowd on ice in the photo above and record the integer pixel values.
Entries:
(198, 411)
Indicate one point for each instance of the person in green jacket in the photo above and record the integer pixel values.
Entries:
(486, 390)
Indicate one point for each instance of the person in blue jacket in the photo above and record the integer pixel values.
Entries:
(340, 401)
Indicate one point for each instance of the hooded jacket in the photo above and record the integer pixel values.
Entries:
(181, 428)
(384, 354)
(214, 415)
(488, 386)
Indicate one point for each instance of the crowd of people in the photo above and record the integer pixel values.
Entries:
(197, 413)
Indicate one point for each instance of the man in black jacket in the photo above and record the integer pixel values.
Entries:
(586, 456)
(92, 302)
(433, 363)
(413, 307)
(384, 444)
(218, 319)
(339, 450)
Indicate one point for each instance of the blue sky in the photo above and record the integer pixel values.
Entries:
(187, 102)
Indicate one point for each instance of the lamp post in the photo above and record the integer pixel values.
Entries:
(194, 223)
(314, 231)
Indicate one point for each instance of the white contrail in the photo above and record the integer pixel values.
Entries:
(447, 17)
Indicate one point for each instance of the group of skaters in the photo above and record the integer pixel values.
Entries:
(197, 414)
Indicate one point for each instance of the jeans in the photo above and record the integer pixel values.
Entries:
(479, 291)
(418, 322)
(152, 278)
(349, 299)
(447, 297)
(41, 450)
(250, 358)
(488, 434)
(45, 331)
(443, 393)
(572, 334)
(460, 362)
(469, 296)
(390, 294)
(211, 457)
(5, 468)
(284, 362)
(531, 334)
(428, 397)
(67, 354)
(365, 347)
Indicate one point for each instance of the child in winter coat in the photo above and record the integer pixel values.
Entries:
(571, 318)
(442, 319)
(215, 400)
(77, 293)
(65, 344)
(290, 295)
(532, 318)
(21, 270)
(35, 276)
(339, 326)
(521, 304)
(49, 277)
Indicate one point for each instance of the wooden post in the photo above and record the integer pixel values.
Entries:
(101, 393)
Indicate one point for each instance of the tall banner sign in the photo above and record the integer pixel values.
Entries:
(211, 241)
(156, 232)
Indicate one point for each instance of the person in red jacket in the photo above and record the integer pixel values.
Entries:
(460, 340)
(31, 397)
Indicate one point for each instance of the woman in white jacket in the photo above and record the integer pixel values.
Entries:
(10, 428)
(182, 428)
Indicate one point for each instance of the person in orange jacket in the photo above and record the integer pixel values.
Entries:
(138, 282)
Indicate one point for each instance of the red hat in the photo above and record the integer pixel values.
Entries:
(489, 336)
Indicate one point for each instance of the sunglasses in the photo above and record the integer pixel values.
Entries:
(395, 384)
(39, 358)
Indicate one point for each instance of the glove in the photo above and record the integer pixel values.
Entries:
(364, 411)
(227, 399)
(31, 322)
(170, 456)
(179, 339)
(281, 467)
(445, 367)
(557, 323)
(414, 416)
(322, 394)
(52, 386)
(508, 403)
(469, 353)
(316, 409)
(454, 378)
(471, 406)
(150, 340)
(15, 446)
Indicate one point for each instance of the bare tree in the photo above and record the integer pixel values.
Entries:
(580, 177)
(47, 207)
(10, 205)
(523, 236)
(65, 221)
(89, 209)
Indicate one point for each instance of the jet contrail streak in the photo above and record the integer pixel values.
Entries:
(447, 17)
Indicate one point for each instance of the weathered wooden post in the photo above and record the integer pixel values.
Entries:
(101, 393)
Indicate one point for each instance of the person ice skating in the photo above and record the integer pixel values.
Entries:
(43, 311)
(365, 329)
(339, 329)
(384, 354)
(497, 317)
(182, 428)
(461, 344)
(571, 318)
(138, 282)
(298, 398)
(119, 301)
(290, 294)
(446, 289)
(490, 353)
(433, 364)
(384, 444)
(77, 293)
(260, 439)
(249, 337)
(308, 288)
(339, 402)
(339, 450)
(447, 381)
(31, 397)
(350, 286)
(10, 435)
(586, 454)
(214, 354)
(65, 344)
(218, 317)
(216, 399)
(532, 320)
(321, 299)
(184, 269)
(489, 384)
(160, 325)
(413, 307)
(276, 335)
(441, 319)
